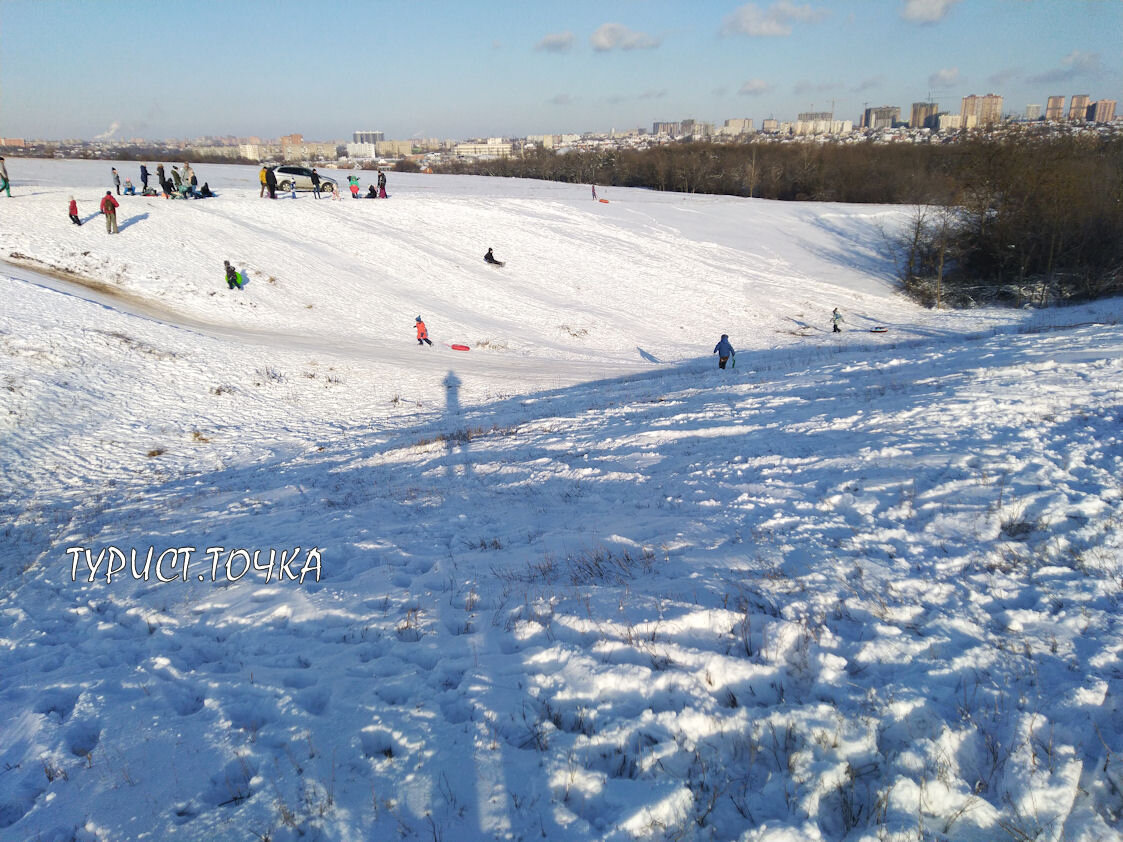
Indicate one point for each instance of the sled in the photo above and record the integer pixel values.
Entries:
(603, 201)
(460, 347)
(495, 262)
(879, 329)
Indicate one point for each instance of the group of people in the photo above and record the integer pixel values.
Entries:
(374, 191)
(183, 184)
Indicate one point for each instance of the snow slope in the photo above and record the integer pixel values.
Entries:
(574, 584)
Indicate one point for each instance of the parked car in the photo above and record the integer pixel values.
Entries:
(302, 177)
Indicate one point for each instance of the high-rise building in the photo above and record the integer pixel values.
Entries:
(1103, 111)
(1055, 108)
(1033, 112)
(923, 115)
(884, 117)
(981, 110)
(665, 128)
(737, 125)
(368, 137)
(1078, 107)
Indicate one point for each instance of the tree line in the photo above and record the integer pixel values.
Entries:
(1011, 217)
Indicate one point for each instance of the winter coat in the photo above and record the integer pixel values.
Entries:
(422, 333)
(73, 210)
(262, 174)
(723, 348)
(143, 173)
(109, 205)
(271, 179)
(116, 178)
(315, 179)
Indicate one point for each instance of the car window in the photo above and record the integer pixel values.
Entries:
(289, 170)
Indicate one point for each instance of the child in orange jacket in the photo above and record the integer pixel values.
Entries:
(422, 333)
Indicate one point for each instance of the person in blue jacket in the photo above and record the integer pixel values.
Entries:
(724, 350)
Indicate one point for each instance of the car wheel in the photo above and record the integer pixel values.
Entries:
(327, 188)
(285, 186)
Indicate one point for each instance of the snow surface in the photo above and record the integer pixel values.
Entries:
(576, 583)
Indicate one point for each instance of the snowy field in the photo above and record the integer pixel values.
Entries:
(575, 583)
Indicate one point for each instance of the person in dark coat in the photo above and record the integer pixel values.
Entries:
(271, 182)
(315, 184)
(724, 351)
(233, 281)
(143, 177)
(381, 184)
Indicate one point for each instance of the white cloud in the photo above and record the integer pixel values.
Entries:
(776, 20)
(561, 99)
(610, 36)
(947, 77)
(754, 87)
(556, 42)
(926, 11)
(1076, 64)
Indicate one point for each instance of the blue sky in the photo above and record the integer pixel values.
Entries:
(430, 68)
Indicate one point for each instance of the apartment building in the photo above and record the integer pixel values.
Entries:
(1078, 107)
(1055, 108)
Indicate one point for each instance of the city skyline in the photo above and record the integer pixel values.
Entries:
(438, 69)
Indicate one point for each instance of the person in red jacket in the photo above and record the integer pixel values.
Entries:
(109, 208)
(422, 333)
(73, 211)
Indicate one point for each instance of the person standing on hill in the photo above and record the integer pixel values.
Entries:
(836, 319)
(594, 191)
(263, 178)
(724, 350)
(271, 182)
(73, 211)
(117, 180)
(422, 333)
(109, 207)
(143, 177)
(353, 180)
(315, 184)
(5, 185)
(381, 184)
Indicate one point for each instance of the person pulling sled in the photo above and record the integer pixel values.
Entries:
(422, 333)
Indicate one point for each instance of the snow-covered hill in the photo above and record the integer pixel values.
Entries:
(575, 583)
